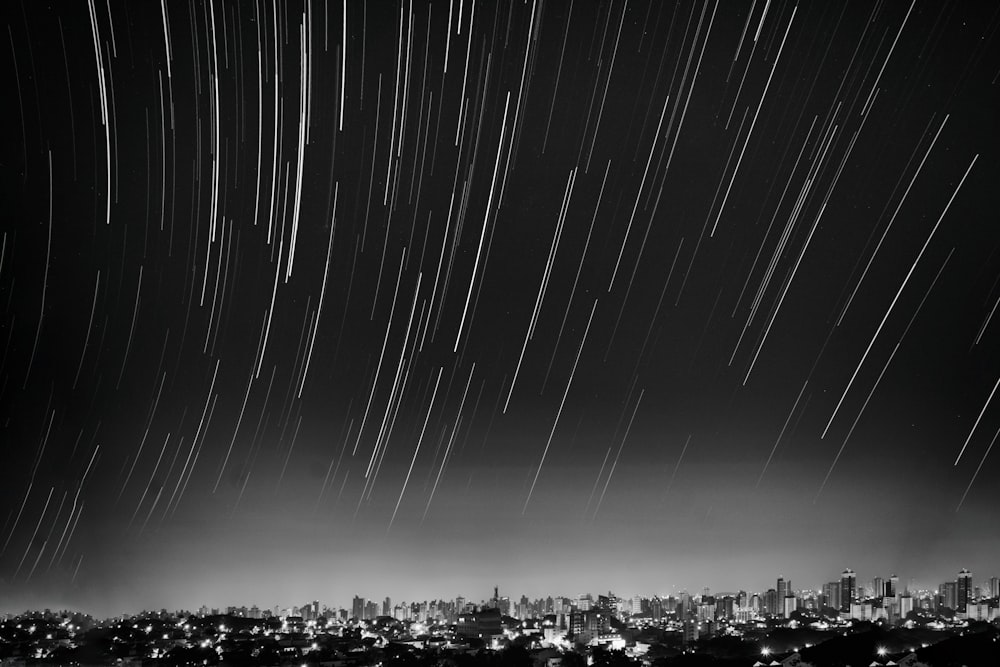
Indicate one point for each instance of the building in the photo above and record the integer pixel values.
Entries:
(831, 594)
(948, 595)
(358, 608)
(790, 603)
(771, 602)
(977, 611)
(862, 611)
(783, 589)
(725, 607)
(848, 589)
(878, 587)
(656, 608)
(964, 590)
(479, 624)
(892, 587)
(586, 625)
(994, 587)
(905, 605)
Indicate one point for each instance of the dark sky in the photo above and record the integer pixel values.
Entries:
(557, 296)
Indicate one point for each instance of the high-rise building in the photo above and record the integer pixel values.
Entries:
(771, 602)
(878, 587)
(358, 608)
(964, 590)
(948, 595)
(790, 604)
(892, 587)
(848, 589)
(782, 589)
(905, 605)
(831, 595)
(656, 608)
(994, 587)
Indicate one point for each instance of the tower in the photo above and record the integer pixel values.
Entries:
(848, 589)
(964, 590)
(782, 589)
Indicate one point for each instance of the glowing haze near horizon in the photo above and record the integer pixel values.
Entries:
(302, 302)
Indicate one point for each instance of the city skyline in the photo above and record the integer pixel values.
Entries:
(311, 298)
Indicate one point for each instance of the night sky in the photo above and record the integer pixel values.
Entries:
(412, 299)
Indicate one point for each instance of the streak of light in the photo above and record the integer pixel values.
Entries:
(194, 440)
(322, 291)
(976, 425)
(553, 248)
(896, 298)
(888, 361)
(102, 89)
(887, 56)
(618, 454)
(978, 468)
(381, 356)
(90, 324)
(17, 519)
(288, 456)
(34, 534)
(756, 114)
(899, 205)
(642, 183)
(781, 434)
(576, 278)
(451, 441)
(986, 323)
(45, 282)
(486, 218)
(680, 458)
(600, 473)
(569, 383)
(420, 439)
(152, 476)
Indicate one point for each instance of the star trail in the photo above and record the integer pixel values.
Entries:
(437, 294)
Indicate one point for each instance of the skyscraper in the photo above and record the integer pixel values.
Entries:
(772, 602)
(948, 595)
(848, 589)
(964, 590)
(782, 589)
(892, 588)
(358, 608)
(831, 594)
(994, 586)
(878, 587)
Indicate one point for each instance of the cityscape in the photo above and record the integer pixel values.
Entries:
(878, 623)
(500, 333)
